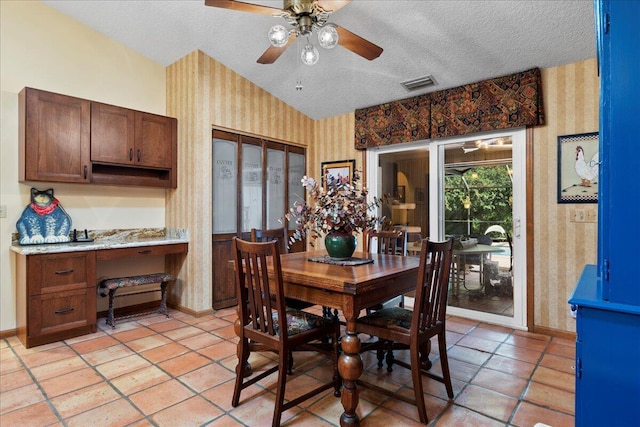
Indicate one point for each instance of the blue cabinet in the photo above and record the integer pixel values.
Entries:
(607, 296)
(618, 34)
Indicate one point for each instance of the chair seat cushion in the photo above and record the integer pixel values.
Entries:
(394, 318)
(300, 321)
(296, 304)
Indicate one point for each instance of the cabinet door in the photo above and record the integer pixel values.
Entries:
(58, 272)
(112, 134)
(54, 137)
(154, 140)
(619, 229)
(51, 314)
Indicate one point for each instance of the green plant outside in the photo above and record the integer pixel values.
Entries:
(491, 195)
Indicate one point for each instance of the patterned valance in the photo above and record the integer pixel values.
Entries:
(500, 103)
(394, 122)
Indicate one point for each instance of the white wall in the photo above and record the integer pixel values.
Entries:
(44, 49)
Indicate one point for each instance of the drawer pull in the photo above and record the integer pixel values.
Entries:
(145, 251)
(64, 271)
(64, 310)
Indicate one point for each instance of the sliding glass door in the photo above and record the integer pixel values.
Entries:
(473, 189)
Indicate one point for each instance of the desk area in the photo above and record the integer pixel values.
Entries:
(56, 292)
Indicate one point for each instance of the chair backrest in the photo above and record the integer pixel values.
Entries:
(432, 284)
(274, 234)
(389, 241)
(258, 296)
(495, 229)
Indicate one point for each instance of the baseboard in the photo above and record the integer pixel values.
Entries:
(128, 310)
(554, 332)
(193, 313)
(8, 333)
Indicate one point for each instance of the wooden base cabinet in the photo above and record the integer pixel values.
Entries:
(56, 296)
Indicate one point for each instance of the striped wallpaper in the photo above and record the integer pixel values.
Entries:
(334, 140)
(561, 247)
(203, 93)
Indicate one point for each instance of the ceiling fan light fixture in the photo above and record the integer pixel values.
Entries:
(278, 36)
(328, 36)
(309, 55)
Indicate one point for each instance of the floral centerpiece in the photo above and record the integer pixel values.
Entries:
(338, 211)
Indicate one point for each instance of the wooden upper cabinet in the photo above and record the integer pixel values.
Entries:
(67, 139)
(128, 137)
(154, 135)
(112, 134)
(54, 133)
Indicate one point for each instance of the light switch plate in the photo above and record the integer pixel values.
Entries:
(3, 211)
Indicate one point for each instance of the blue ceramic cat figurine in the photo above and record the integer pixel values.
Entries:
(43, 220)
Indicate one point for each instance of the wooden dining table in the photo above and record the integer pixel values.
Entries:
(350, 289)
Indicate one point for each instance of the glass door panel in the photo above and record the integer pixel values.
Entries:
(225, 184)
(478, 212)
(404, 175)
(275, 187)
(251, 187)
(295, 190)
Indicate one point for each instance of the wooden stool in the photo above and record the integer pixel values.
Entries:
(110, 286)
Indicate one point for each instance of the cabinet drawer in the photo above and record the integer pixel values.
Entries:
(142, 251)
(56, 312)
(61, 272)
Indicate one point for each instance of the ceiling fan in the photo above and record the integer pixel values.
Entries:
(304, 16)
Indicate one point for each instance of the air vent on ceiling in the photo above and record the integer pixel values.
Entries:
(418, 83)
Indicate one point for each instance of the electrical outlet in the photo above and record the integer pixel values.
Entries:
(592, 215)
(578, 215)
(3, 211)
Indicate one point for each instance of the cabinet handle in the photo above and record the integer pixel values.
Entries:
(85, 171)
(64, 271)
(145, 251)
(130, 154)
(139, 155)
(64, 310)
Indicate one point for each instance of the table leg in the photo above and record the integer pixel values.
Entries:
(350, 367)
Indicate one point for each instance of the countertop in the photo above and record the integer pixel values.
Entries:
(108, 239)
(588, 293)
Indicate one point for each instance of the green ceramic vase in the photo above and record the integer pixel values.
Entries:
(340, 246)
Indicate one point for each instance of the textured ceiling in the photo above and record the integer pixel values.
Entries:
(457, 42)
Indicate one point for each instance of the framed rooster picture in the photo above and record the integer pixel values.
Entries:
(578, 165)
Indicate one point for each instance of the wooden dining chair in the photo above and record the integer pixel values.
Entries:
(388, 241)
(413, 329)
(265, 324)
(278, 235)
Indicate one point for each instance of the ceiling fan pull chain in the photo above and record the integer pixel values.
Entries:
(298, 75)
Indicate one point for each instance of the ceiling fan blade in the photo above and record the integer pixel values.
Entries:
(272, 53)
(357, 44)
(242, 7)
(333, 5)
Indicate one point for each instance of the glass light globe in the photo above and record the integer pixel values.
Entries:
(278, 36)
(309, 54)
(328, 36)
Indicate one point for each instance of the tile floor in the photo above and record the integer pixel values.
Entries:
(154, 371)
